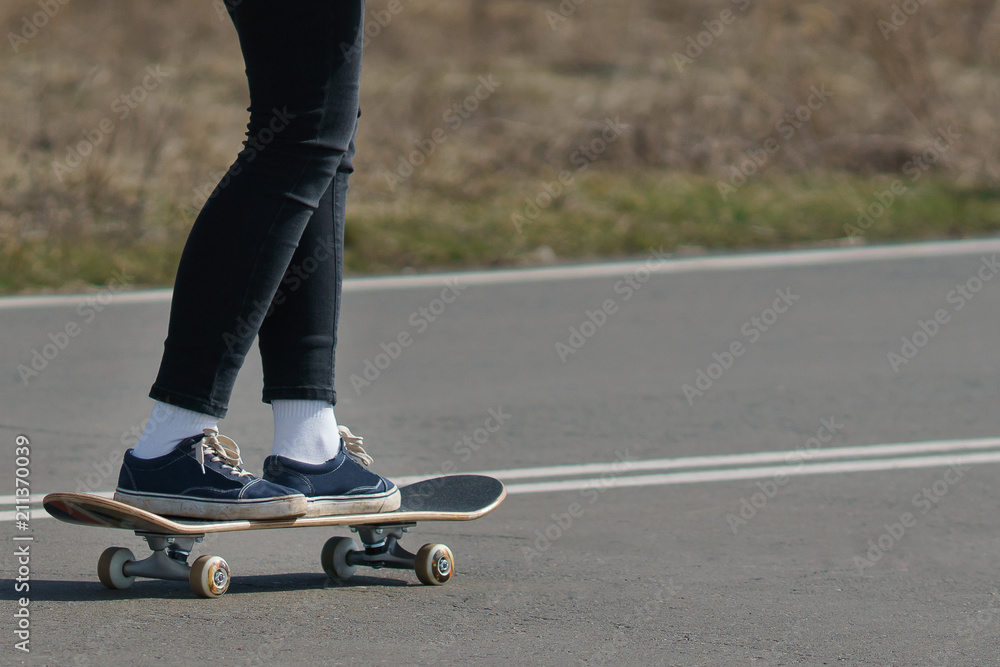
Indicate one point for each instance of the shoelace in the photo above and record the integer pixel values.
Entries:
(221, 449)
(352, 444)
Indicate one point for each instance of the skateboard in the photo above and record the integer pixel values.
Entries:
(450, 498)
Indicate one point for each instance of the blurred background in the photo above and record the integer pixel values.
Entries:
(514, 132)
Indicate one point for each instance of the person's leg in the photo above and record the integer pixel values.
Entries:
(303, 107)
(303, 92)
(298, 341)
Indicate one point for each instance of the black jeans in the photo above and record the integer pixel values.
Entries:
(265, 255)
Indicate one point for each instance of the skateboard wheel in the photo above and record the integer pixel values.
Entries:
(209, 576)
(434, 564)
(334, 557)
(110, 567)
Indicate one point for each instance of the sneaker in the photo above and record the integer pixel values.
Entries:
(202, 479)
(342, 485)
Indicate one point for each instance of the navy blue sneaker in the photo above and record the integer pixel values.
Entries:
(202, 479)
(342, 485)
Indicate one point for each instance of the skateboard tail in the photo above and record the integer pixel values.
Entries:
(71, 512)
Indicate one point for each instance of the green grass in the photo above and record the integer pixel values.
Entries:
(600, 215)
(606, 215)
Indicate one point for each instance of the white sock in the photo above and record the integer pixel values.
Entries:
(167, 426)
(305, 431)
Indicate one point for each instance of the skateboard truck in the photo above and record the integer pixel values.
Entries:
(168, 560)
(434, 564)
(208, 576)
(382, 547)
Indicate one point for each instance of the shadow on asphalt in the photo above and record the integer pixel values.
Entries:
(93, 590)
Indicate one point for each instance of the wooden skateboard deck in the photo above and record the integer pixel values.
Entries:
(451, 498)
(454, 498)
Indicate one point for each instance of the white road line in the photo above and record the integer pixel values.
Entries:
(739, 262)
(65, 300)
(757, 473)
(755, 458)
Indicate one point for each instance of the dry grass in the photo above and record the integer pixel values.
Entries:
(130, 203)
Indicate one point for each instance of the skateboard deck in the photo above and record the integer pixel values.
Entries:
(450, 498)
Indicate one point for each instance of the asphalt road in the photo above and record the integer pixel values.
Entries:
(834, 556)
